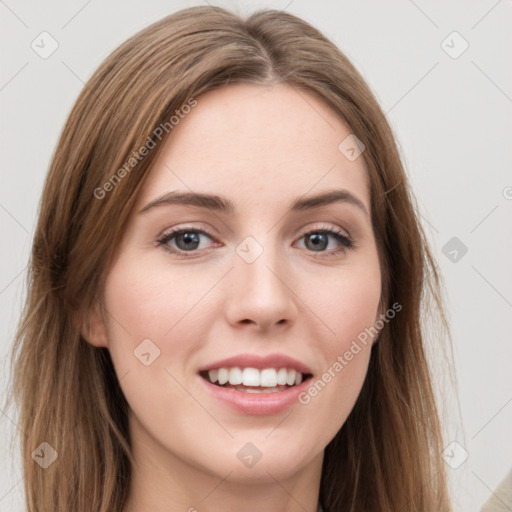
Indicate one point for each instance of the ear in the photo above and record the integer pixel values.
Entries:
(94, 329)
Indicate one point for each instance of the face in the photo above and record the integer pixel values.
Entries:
(250, 257)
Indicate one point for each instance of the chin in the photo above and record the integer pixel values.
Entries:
(267, 460)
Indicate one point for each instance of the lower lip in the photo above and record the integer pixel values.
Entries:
(256, 404)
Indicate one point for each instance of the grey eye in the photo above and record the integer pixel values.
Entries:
(317, 241)
(187, 240)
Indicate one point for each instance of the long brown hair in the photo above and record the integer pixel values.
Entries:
(387, 455)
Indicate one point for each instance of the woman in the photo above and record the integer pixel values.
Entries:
(226, 286)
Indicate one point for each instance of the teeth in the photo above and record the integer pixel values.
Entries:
(267, 378)
(250, 377)
(223, 376)
(213, 375)
(260, 390)
(290, 380)
(235, 376)
(282, 376)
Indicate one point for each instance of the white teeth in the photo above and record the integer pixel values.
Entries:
(213, 375)
(252, 377)
(268, 378)
(235, 376)
(223, 376)
(290, 380)
(260, 390)
(282, 376)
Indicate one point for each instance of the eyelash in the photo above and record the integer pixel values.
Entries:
(345, 242)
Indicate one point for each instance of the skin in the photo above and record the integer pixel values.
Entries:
(261, 148)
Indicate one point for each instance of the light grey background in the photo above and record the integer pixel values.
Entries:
(452, 119)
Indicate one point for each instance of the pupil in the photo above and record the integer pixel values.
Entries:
(190, 240)
(318, 240)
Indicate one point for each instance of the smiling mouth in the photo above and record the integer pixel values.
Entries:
(252, 380)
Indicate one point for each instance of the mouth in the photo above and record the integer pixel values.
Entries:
(254, 380)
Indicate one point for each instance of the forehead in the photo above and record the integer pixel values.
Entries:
(257, 145)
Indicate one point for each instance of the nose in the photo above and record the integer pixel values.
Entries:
(260, 295)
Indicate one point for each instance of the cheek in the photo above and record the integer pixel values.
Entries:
(152, 301)
(158, 318)
(349, 304)
(346, 304)
(354, 316)
(151, 332)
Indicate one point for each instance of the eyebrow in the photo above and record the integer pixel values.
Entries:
(223, 205)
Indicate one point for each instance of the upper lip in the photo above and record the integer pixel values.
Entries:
(259, 362)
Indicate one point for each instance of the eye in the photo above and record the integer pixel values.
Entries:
(180, 241)
(326, 240)
(186, 241)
